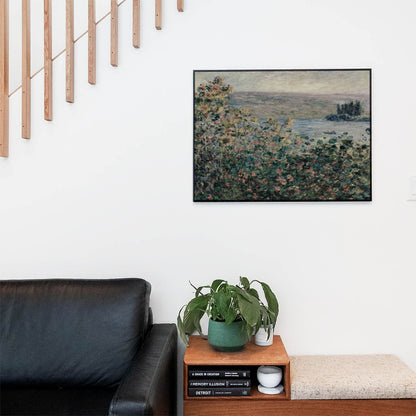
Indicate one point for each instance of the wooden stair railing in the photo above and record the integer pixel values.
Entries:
(69, 62)
(91, 42)
(48, 58)
(4, 78)
(26, 79)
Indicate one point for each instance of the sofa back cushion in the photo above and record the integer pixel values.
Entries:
(70, 332)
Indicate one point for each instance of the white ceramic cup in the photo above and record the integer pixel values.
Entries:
(262, 337)
(269, 375)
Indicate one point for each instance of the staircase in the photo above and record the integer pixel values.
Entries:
(48, 59)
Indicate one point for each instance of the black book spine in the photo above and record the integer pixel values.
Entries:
(219, 373)
(219, 383)
(219, 391)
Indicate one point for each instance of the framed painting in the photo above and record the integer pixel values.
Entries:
(282, 135)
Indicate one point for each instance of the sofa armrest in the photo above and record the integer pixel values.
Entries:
(149, 386)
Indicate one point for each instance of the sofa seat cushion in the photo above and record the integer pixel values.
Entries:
(53, 401)
(351, 377)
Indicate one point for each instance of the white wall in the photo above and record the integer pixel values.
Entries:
(106, 188)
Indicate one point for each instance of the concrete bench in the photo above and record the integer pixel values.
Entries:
(352, 385)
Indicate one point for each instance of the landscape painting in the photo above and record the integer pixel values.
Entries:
(282, 135)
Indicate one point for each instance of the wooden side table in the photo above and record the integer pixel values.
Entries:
(200, 353)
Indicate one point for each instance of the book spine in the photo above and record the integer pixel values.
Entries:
(219, 383)
(219, 391)
(219, 373)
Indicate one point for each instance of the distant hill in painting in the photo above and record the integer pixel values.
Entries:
(294, 105)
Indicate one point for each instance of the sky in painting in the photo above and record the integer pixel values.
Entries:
(306, 82)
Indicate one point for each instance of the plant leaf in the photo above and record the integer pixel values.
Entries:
(222, 303)
(193, 314)
(230, 317)
(271, 299)
(199, 290)
(254, 293)
(216, 284)
(245, 283)
(181, 327)
(249, 309)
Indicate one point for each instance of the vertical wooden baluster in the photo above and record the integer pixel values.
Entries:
(4, 78)
(69, 51)
(47, 56)
(158, 14)
(26, 81)
(114, 33)
(91, 42)
(180, 5)
(136, 23)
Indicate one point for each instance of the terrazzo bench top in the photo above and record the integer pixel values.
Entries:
(337, 377)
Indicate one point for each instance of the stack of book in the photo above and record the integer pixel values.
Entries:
(218, 382)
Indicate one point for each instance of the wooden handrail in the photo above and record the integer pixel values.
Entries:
(64, 50)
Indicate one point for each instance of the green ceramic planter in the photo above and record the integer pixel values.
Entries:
(227, 338)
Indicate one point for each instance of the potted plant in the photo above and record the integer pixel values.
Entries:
(235, 312)
(264, 332)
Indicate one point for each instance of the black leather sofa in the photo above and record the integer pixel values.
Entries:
(84, 347)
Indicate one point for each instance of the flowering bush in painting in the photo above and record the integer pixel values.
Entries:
(241, 157)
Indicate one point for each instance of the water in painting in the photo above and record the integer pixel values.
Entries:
(282, 135)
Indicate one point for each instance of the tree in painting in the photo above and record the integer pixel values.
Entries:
(256, 146)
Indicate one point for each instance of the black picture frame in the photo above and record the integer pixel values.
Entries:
(360, 187)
